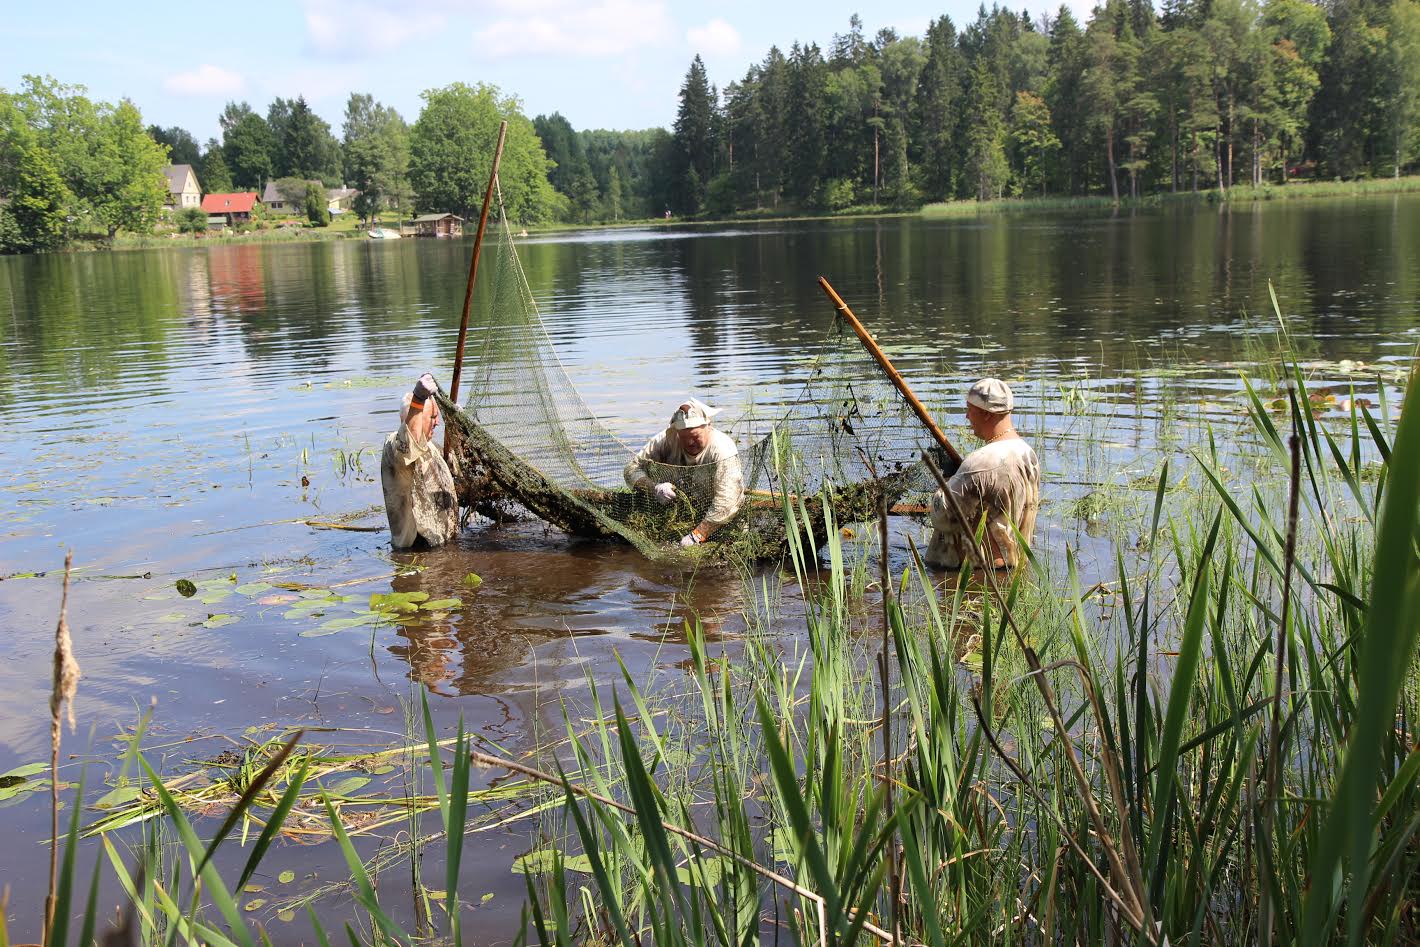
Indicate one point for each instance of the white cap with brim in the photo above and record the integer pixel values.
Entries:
(992, 394)
(692, 413)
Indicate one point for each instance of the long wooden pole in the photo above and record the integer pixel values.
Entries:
(918, 408)
(473, 264)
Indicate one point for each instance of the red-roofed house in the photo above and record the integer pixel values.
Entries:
(229, 209)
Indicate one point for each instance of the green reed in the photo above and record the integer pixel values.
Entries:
(1216, 745)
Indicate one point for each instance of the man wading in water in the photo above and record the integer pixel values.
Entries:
(419, 490)
(999, 482)
(710, 462)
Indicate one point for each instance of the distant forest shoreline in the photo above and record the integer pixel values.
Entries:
(1011, 206)
(1199, 96)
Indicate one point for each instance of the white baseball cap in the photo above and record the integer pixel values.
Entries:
(992, 394)
(692, 413)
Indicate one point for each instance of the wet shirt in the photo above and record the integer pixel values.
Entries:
(1000, 482)
(419, 491)
(713, 475)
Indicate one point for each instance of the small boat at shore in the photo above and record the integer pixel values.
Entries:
(383, 233)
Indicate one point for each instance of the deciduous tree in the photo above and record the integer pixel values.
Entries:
(451, 154)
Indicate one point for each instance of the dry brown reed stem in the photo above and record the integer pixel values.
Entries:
(1129, 880)
(63, 687)
(1279, 667)
(483, 759)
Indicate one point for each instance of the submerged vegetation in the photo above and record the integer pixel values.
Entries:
(1214, 745)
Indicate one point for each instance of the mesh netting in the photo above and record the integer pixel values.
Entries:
(526, 440)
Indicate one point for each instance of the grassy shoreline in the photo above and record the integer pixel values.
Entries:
(1297, 190)
(348, 228)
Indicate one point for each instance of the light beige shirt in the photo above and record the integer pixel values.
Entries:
(1001, 482)
(712, 476)
(420, 499)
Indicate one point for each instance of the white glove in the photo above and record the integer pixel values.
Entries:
(665, 493)
(688, 540)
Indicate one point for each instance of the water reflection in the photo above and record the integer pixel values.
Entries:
(543, 597)
(152, 397)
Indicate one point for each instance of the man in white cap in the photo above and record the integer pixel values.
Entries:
(420, 500)
(692, 459)
(998, 483)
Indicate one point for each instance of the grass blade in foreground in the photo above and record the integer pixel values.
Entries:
(1386, 652)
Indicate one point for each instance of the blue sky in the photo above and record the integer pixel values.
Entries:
(601, 63)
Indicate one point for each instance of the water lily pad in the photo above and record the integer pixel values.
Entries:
(336, 625)
(185, 588)
(212, 598)
(218, 621)
(255, 904)
(441, 604)
(253, 588)
(348, 785)
(286, 877)
(711, 870)
(171, 617)
(403, 602)
(280, 598)
(26, 771)
(542, 860)
(120, 796)
(18, 780)
(473, 580)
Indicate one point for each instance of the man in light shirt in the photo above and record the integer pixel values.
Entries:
(690, 459)
(420, 499)
(999, 482)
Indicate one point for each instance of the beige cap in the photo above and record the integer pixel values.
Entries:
(992, 394)
(692, 413)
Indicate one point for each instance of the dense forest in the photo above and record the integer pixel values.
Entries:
(1202, 94)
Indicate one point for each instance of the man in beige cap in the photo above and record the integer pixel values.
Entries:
(692, 459)
(999, 483)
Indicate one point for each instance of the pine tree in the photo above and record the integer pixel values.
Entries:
(805, 126)
(214, 175)
(936, 112)
(694, 139)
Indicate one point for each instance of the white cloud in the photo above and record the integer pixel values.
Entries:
(569, 28)
(364, 27)
(716, 38)
(331, 82)
(206, 79)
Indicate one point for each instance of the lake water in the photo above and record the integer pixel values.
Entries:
(180, 414)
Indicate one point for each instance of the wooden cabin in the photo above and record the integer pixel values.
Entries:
(438, 225)
(232, 208)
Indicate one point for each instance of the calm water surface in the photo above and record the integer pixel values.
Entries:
(179, 414)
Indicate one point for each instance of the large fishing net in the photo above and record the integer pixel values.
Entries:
(526, 441)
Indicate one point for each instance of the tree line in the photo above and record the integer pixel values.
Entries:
(1198, 94)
